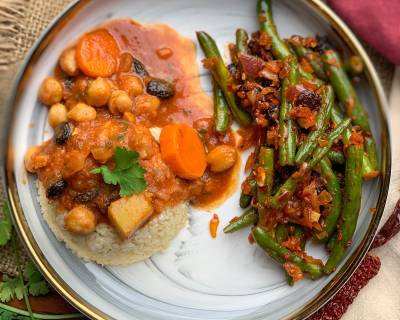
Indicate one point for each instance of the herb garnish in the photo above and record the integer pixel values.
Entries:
(127, 172)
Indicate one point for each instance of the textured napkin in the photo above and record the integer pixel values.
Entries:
(376, 21)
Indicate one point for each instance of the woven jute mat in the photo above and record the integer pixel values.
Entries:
(21, 22)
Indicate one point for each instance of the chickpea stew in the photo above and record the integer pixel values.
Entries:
(132, 129)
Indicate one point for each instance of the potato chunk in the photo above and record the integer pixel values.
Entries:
(129, 214)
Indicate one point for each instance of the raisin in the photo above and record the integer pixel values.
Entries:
(62, 132)
(56, 189)
(308, 98)
(139, 68)
(86, 196)
(160, 88)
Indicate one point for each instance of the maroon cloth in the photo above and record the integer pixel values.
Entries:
(375, 21)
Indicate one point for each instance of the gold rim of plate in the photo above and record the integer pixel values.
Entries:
(327, 292)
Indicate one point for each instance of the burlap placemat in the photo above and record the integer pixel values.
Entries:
(21, 22)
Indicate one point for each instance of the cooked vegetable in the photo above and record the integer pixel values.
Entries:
(337, 157)
(129, 213)
(221, 76)
(132, 85)
(120, 102)
(56, 189)
(160, 88)
(245, 198)
(266, 242)
(248, 218)
(214, 223)
(221, 158)
(182, 149)
(370, 149)
(351, 206)
(313, 58)
(82, 112)
(98, 92)
(62, 132)
(50, 91)
(285, 192)
(68, 62)
(333, 187)
(57, 114)
(321, 124)
(80, 220)
(221, 109)
(241, 41)
(128, 174)
(97, 54)
(287, 143)
(354, 66)
(344, 89)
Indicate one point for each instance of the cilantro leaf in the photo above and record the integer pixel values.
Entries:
(31, 273)
(38, 288)
(127, 172)
(6, 291)
(5, 225)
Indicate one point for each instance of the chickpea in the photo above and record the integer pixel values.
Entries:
(82, 112)
(57, 114)
(120, 102)
(34, 160)
(102, 154)
(146, 104)
(80, 220)
(131, 85)
(68, 62)
(74, 162)
(51, 91)
(98, 92)
(222, 158)
(129, 116)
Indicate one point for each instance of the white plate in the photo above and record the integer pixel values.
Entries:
(197, 277)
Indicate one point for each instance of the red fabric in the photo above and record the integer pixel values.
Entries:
(375, 21)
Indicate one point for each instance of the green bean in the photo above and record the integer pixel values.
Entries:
(281, 232)
(354, 66)
(287, 143)
(282, 255)
(336, 157)
(221, 76)
(221, 109)
(368, 171)
(344, 89)
(331, 242)
(333, 187)
(370, 149)
(279, 48)
(351, 206)
(313, 58)
(300, 233)
(286, 191)
(322, 122)
(266, 161)
(248, 218)
(242, 39)
(245, 198)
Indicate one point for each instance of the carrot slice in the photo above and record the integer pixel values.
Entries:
(97, 54)
(182, 149)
